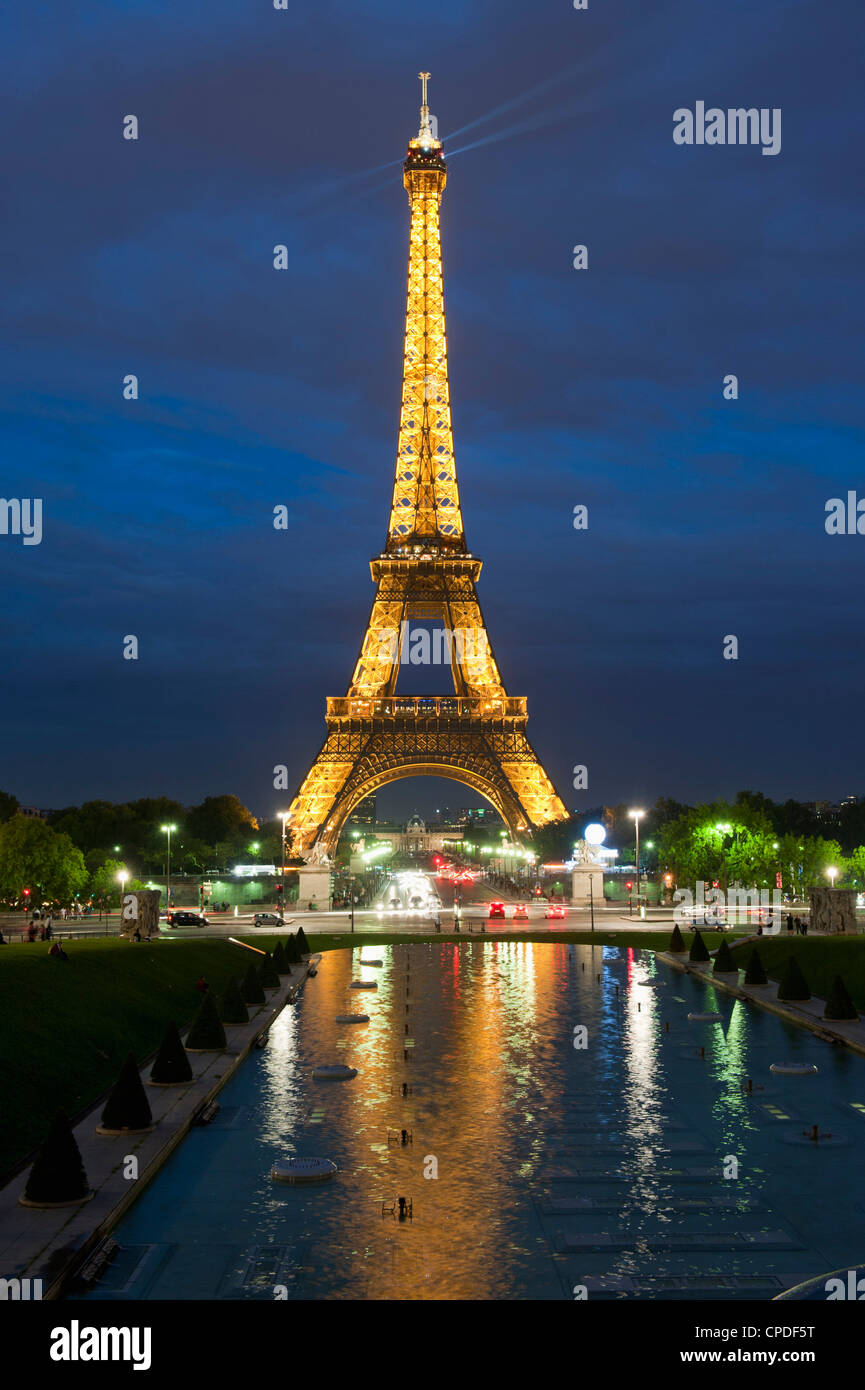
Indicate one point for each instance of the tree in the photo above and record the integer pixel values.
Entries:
(127, 1107)
(34, 856)
(302, 943)
(251, 991)
(268, 973)
(698, 845)
(793, 984)
(8, 806)
(58, 1173)
(231, 1006)
(839, 1005)
(724, 962)
(220, 818)
(172, 1064)
(280, 961)
(104, 882)
(207, 1033)
(698, 951)
(677, 941)
(755, 973)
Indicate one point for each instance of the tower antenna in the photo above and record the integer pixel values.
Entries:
(425, 128)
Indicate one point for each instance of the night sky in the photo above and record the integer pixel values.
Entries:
(602, 387)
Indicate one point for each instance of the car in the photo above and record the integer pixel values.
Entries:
(555, 911)
(267, 919)
(187, 919)
(521, 913)
(497, 910)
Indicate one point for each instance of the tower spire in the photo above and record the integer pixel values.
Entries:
(425, 128)
(426, 505)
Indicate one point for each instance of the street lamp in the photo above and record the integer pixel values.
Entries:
(283, 816)
(166, 830)
(833, 874)
(122, 876)
(724, 827)
(636, 816)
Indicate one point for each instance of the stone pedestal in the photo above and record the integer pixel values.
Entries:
(833, 910)
(139, 910)
(315, 888)
(587, 884)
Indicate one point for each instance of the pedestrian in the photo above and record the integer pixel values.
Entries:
(31, 932)
(804, 926)
(49, 931)
(136, 935)
(3, 941)
(202, 986)
(63, 914)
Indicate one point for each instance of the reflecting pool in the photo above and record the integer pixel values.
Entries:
(636, 1166)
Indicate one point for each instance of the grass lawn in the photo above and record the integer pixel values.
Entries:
(66, 1028)
(821, 959)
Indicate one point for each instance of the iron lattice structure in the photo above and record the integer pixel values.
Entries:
(425, 572)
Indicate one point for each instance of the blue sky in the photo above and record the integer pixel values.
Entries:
(602, 387)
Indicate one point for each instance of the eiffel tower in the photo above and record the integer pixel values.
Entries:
(425, 572)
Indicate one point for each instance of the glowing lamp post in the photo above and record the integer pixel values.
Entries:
(636, 816)
(832, 875)
(122, 877)
(166, 830)
(283, 816)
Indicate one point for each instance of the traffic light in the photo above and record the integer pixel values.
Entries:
(629, 885)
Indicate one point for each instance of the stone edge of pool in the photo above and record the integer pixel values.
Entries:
(807, 1014)
(52, 1243)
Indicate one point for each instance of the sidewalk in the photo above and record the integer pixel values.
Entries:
(46, 1243)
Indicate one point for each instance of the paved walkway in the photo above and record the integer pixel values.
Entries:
(44, 1243)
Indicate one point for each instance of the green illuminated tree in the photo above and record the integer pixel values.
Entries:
(34, 856)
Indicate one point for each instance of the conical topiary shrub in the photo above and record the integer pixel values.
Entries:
(280, 963)
(677, 941)
(754, 972)
(171, 1067)
(231, 1006)
(793, 984)
(724, 962)
(698, 950)
(303, 944)
(267, 973)
(57, 1174)
(207, 1033)
(127, 1107)
(839, 1005)
(292, 951)
(250, 986)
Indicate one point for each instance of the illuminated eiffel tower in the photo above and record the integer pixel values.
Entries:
(478, 735)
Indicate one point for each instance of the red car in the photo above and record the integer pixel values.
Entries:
(497, 909)
(555, 910)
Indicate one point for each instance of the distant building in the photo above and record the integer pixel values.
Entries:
(34, 812)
